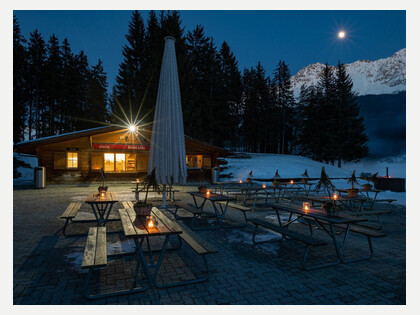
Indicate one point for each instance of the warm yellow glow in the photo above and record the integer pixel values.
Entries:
(335, 196)
(150, 225)
(291, 182)
(208, 192)
(240, 181)
(341, 34)
(132, 128)
(306, 206)
(264, 186)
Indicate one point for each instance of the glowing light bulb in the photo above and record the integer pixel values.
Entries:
(132, 128)
(341, 34)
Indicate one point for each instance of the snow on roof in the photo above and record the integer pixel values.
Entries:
(63, 134)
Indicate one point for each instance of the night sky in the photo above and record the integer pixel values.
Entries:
(297, 37)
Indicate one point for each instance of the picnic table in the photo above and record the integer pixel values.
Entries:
(329, 224)
(364, 193)
(169, 192)
(232, 185)
(340, 199)
(215, 199)
(101, 206)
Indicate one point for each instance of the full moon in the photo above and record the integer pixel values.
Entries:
(341, 34)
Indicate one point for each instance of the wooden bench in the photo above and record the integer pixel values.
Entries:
(378, 214)
(239, 207)
(197, 244)
(307, 240)
(386, 200)
(188, 207)
(95, 255)
(127, 204)
(358, 228)
(366, 231)
(69, 214)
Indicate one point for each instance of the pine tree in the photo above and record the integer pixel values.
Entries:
(36, 83)
(205, 84)
(327, 114)
(352, 140)
(256, 102)
(19, 83)
(285, 103)
(69, 89)
(131, 84)
(53, 86)
(230, 96)
(97, 95)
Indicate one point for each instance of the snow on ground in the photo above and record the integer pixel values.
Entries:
(26, 173)
(264, 165)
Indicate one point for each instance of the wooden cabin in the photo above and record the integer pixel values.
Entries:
(124, 155)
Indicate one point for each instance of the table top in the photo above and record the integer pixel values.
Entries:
(96, 198)
(211, 196)
(360, 189)
(316, 213)
(135, 226)
(324, 199)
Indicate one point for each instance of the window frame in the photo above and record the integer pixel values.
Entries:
(67, 160)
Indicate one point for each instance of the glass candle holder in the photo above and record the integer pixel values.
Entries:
(151, 222)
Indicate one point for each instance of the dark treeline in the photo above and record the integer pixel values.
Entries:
(249, 111)
(54, 90)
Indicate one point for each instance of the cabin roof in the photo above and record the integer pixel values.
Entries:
(29, 146)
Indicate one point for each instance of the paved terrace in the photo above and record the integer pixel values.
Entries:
(46, 265)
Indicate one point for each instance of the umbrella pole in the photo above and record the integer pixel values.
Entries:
(164, 197)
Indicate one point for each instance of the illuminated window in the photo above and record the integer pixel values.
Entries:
(72, 159)
(119, 162)
(109, 162)
(194, 161)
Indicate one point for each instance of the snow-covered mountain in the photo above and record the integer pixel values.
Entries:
(382, 76)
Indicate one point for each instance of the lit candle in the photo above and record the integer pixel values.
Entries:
(102, 194)
(208, 192)
(306, 206)
(264, 186)
(137, 180)
(151, 224)
(335, 196)
(291, 182)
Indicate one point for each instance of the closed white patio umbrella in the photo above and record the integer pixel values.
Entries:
(167, 147)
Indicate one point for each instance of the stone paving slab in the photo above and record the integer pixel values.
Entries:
(46, 265)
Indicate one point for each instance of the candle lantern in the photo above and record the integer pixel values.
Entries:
(151, 222)
(306, 206)
(335, 196)
(102, 194)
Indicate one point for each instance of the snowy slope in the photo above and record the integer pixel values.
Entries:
(265, 166)
(26, 173)
(382, 76)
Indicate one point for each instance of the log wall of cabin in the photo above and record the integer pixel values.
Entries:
(84, 147)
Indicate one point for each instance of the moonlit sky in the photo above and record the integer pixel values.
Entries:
(299, 38)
